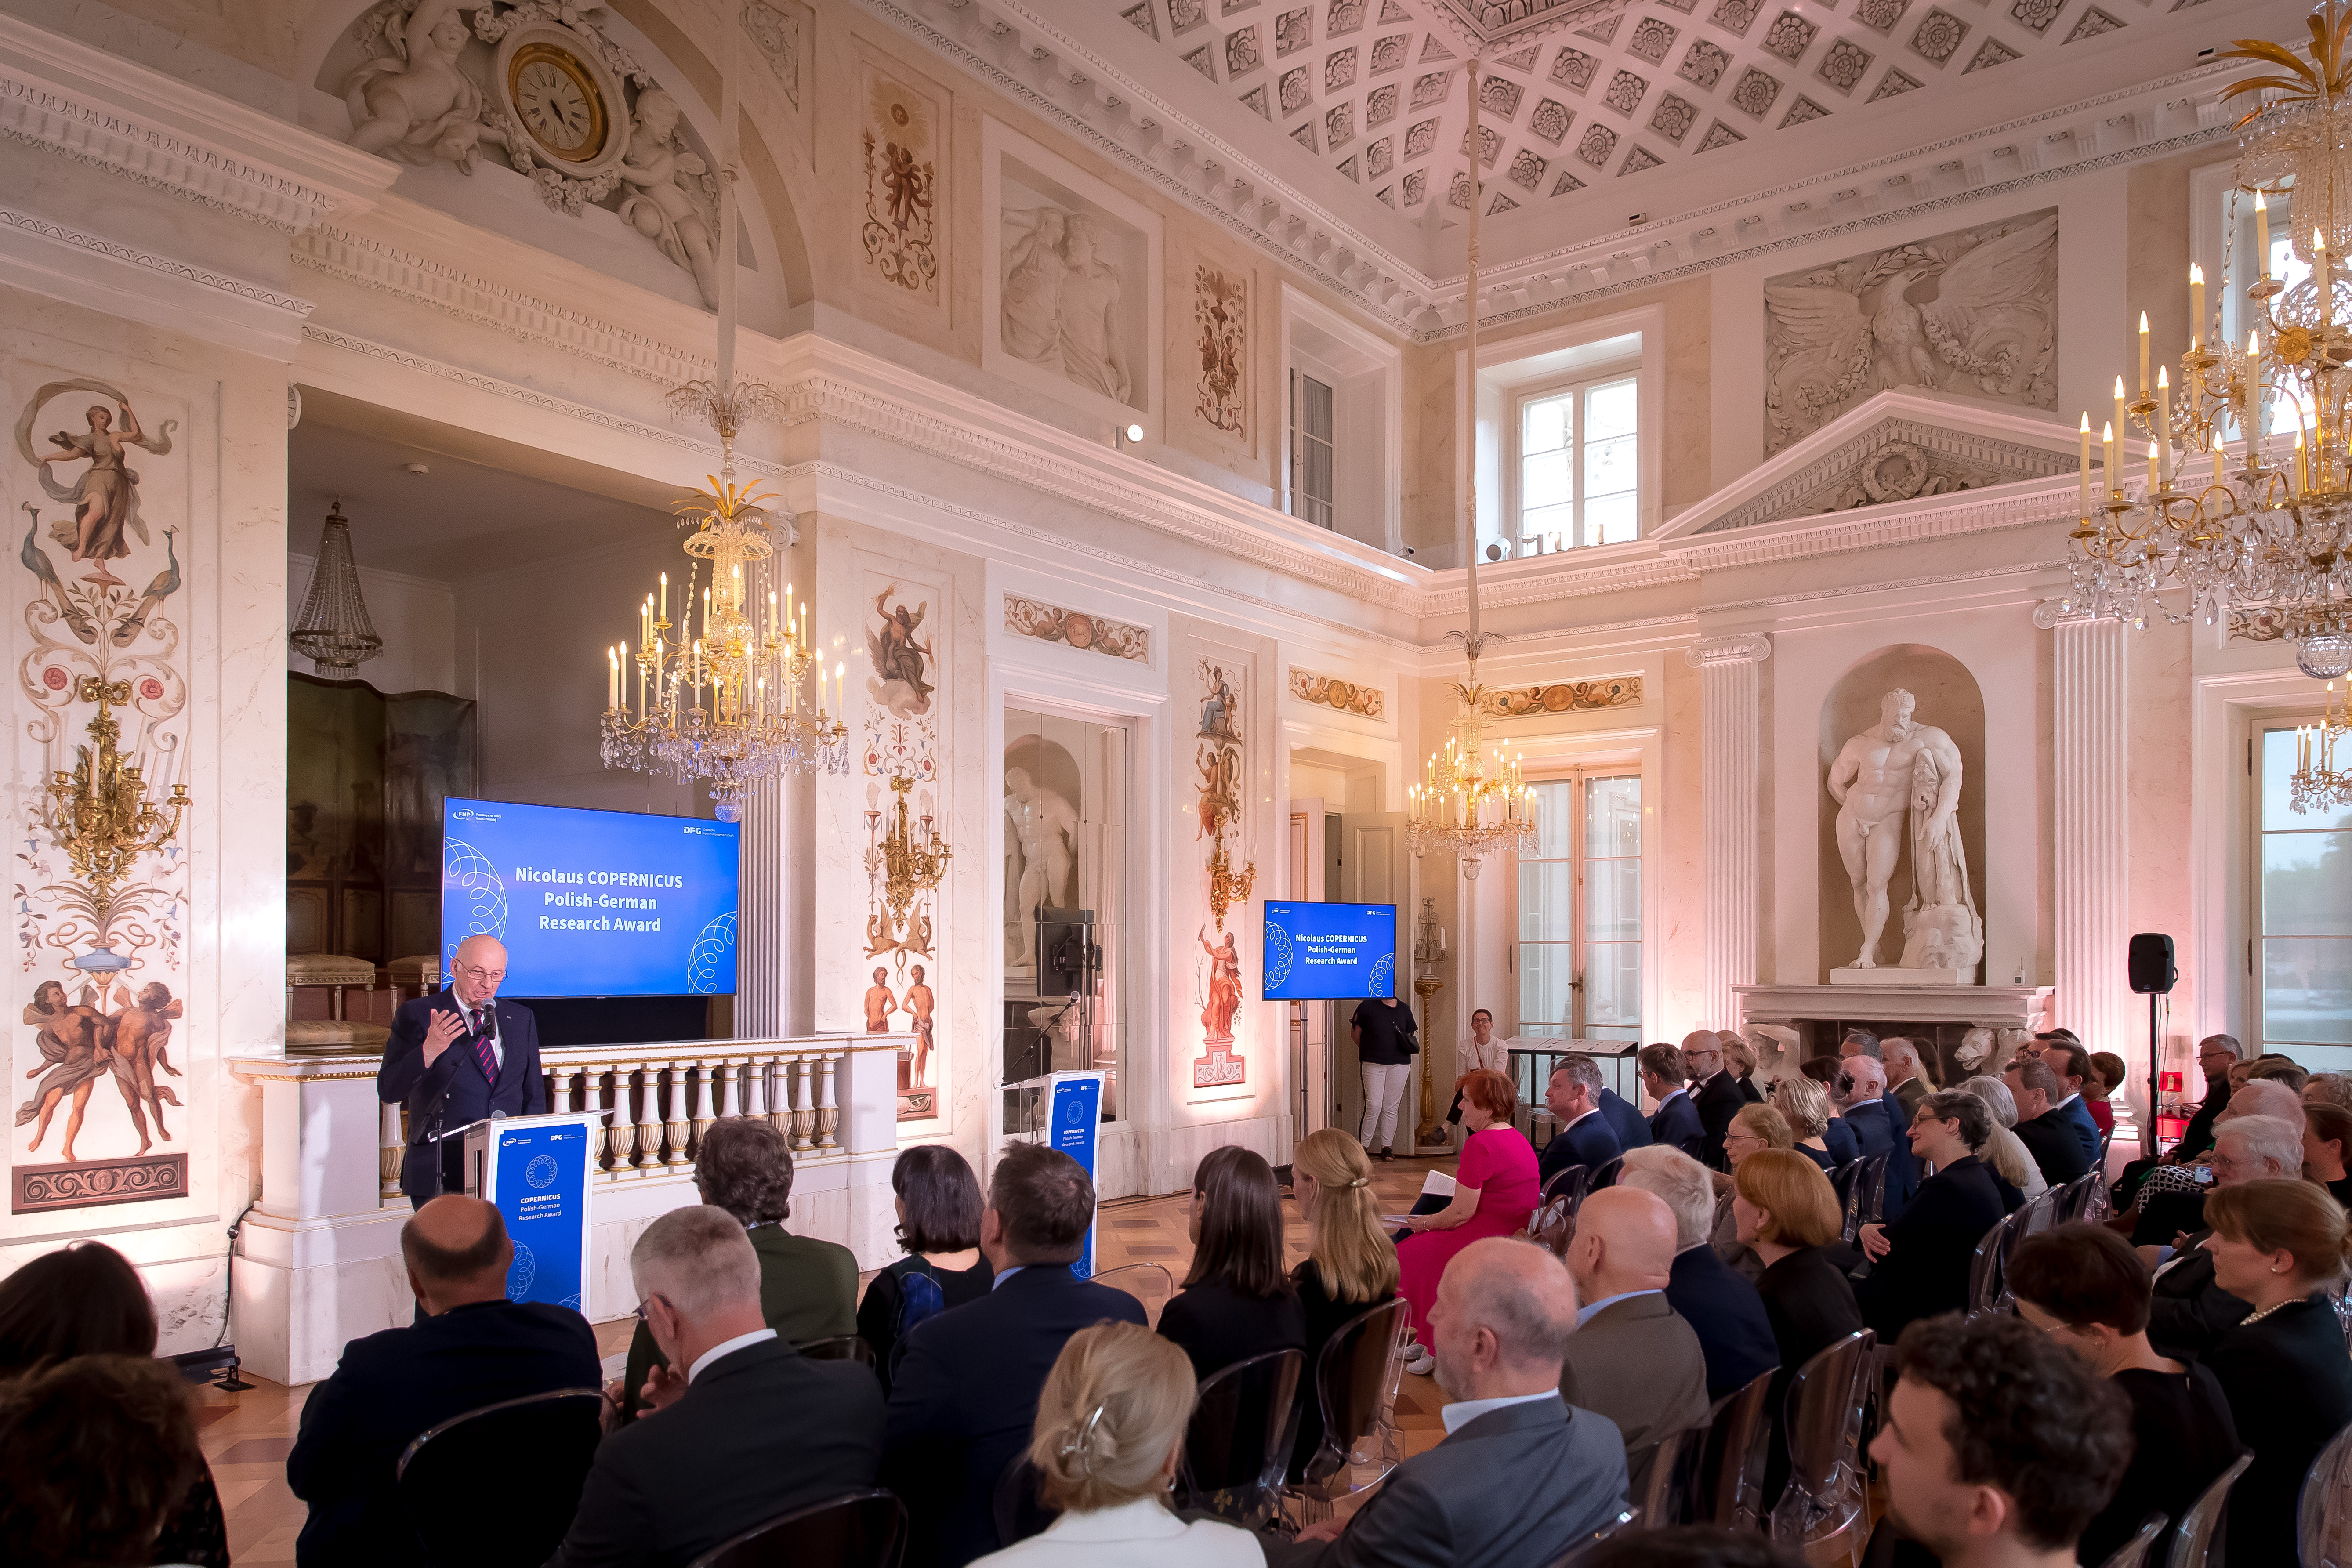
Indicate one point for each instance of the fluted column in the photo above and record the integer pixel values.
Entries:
(2091, 872)
(1730, 761)
(759, 926)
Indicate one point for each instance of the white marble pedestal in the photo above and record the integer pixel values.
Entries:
(1885, 977)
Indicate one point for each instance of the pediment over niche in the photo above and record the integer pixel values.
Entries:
(1897, 448)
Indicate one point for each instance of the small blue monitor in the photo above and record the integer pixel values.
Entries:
(592, 903)
(1329, 953)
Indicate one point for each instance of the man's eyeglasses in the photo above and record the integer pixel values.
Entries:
(476, 972)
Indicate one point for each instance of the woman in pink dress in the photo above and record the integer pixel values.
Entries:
(1495, 1190)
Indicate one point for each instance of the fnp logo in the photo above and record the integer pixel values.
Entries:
(466, 813)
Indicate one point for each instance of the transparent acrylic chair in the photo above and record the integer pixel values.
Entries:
(1820, 1510)
(1149, 1283)
(2323, 1530)
(1356, 1379)
(1238, 1445)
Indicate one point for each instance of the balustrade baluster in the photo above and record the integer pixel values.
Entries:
(391, 1134)
(600, 1143)
(776, 1100)
(803, 1103)
(727, 1100)
(828, 1112)
(649, 1113)
(706, 1109)
(675, 1122)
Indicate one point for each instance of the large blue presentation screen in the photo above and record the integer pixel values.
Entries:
(1329, 953)
(592, 903)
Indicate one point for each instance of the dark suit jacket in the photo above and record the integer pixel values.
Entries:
(1874, 1128)
(763, 1431)
(391, 1386)
(1719, 1101)
(1677, 1124)
(1725, 1311)
(2199, 1136)
(2050, 1139)
(1902, 1166)
(2289, 1390)
(454, 1084)
(1637, 1363)
(1750, 1093)
(808, 1290)
(1843, 1146)
(1513, 1488)
(965, 1395)
(1588, 1143)
(1908, 1094)
(1625, 1120)
(2087, 1129)
(1925, 1270)
(2188, 1310)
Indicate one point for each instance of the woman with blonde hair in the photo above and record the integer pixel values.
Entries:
(1351, 1263)
(1789, 1213)
(1106, 1446)
(1754, 1129)
(2282, 1245)
(2004, 1150)
(1805, 1105)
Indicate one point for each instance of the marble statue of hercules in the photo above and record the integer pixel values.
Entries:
(1871, 781)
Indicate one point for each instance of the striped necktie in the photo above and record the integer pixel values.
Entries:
(482, 1052)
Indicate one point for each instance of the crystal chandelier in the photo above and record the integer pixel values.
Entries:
(1466, 804)
(332, 630)
(2273, 535)
(2318, 784)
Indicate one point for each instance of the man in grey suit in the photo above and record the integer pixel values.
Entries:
(1521, 1475)
(1633, 1359)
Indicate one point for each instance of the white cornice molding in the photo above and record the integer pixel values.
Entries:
(45, 257)
(261, 294)
(66, 96)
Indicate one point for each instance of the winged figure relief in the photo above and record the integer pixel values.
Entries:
(1978, 321)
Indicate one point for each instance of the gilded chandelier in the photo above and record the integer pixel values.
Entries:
(100, 816)
(2272, 535)
(1461, 807)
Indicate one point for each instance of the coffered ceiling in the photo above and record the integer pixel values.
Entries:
(1595, 115)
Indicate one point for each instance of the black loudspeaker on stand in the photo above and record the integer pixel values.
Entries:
(2153, 973)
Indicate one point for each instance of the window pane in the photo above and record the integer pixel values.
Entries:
(2278, 774)
(2308, 884)
(1544, 426)
(1315, 408)
(1545, 889)
(1609, 410)
(1544, 480)
(1611, 519)
(1609, 466)
(1553, 801)
(1547, 520)
(1613, 983)
(1612, 818)
(1545, 970)
(2308, 990)
(1612, 899)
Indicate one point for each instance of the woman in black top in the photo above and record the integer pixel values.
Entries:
(2279, 1245)
(2084, 1287)
(1919, 1263)
(1352, 1262)
(939, 1204)
(1236, 1302)
(88, 1300)
(1789, 1213)
(2326, 1145)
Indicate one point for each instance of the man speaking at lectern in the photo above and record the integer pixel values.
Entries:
(456, 1056)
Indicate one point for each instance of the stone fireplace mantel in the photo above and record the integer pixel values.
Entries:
(1974, 1006)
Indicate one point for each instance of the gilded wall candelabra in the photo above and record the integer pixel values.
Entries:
(100, 816)
(902, 865)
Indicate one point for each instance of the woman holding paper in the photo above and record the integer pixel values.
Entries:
(1495, 1189)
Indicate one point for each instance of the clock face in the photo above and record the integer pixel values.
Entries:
(558, 102)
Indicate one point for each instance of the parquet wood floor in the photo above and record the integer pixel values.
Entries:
(245, 1436)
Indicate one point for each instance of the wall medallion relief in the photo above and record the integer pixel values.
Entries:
(1346, 696)
(1973, 311)
(1078, 629)
(1563, 697)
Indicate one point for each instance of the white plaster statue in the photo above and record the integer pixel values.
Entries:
(1061, 301)
(1898, 770)
(1046, 828)
(669, 200)
(415, 104)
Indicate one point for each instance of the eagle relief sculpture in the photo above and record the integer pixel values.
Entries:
(1974, 311)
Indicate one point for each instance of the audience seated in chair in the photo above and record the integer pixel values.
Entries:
(1675, 1122)
(1106, 1446)
(2070, 1064)
(473, 1347)
(1633, 1359)
(1998, 1447)
(2012, 1165)
(1910, 1075)
(1351, 1263)
(750, 1429)
(1920, 1262)
(938, 1203)
(1721, 1307)
(2280, 1246)
(2191, 1308)
(1494, 1191)
(1713, 1090)
(1580, 1131)
(1837, 1138)
(1754, 1130)
(2327, 1147)
(1860, 1098)
(1786, 1210)
(1625, 1120)
(98, 1452)
(808, 1287)
(1740, 1061)
(2086, 1288)
(966, 1394)
(1236, 1302)
(2049, 1134)
(1522, 1473)
(2170, 1199)
(2108, 1074)
(1804, 1104)
(86, 1299)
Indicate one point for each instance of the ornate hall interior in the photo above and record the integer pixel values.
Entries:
(1620, 486)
